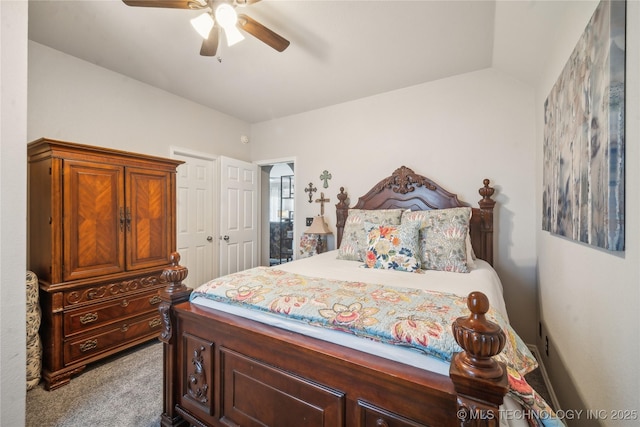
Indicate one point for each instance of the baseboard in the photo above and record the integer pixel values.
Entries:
(545, 376)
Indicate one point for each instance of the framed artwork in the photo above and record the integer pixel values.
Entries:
(583, 171)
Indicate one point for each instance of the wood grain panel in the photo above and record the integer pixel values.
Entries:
(257, 394)
(93, 239)
(148, 229)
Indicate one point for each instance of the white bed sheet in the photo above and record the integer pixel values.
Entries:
(482, 278)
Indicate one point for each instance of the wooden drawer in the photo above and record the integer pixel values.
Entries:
(112, 336)
(373, 416)
(88, 318)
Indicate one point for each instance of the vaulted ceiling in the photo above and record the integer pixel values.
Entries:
(340, 50)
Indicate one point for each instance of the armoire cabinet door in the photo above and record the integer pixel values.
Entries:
(93, 209)
(148, 215)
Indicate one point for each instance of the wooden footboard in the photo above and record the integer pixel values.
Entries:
(221, 370)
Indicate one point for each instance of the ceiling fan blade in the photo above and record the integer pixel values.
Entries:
(175, 4)
(262, 33)
(210, 45)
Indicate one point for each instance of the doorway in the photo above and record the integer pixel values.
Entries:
(278, 225)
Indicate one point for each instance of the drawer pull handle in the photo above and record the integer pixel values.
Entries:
(124, 303)
(381, 423)
(88, 345)
(155, 300)
(124, 328)
(154, 323)
(88, 318)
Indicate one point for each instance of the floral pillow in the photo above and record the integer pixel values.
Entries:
(354, 237)
(393, 247)
(308, 245)
(443, 237)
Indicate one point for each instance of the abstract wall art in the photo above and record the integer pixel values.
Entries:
(583, 165)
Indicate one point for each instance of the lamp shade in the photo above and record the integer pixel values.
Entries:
(203, 24)
(233, 35)
(318, 226)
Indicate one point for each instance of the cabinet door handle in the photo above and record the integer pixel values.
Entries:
(121, 219)
(128, 218)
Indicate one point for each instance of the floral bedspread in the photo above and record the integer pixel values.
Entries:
(416, 318)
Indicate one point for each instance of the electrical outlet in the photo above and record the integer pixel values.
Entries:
(546, 345)
(309, 221)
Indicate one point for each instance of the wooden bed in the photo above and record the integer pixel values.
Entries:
(225, 370)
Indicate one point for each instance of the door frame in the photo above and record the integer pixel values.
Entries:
(263, 234)
(186, 152)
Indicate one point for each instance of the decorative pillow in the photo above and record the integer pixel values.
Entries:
(354, 237)
(308, 245)
(443, 235)
(393, 247)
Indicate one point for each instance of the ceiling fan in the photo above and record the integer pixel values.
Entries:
(220, 16)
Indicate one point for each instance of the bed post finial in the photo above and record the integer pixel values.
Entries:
(485, 228)
(480, 338)
(175, 292)
(486, 192)
(479, 380)
(174, 275)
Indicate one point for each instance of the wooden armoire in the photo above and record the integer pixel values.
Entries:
(101, 229)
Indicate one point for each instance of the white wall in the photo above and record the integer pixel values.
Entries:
(73, 100)
(13, 167)
(589, 297)
(456, 131)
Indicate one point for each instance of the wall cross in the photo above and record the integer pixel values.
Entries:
(310, 189)
(321, 200)
(326, 176)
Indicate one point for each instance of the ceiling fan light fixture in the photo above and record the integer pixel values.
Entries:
(227, 18)
(226, 15)
(233, 35)
(203, 24)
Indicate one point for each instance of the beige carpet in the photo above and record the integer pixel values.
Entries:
(123, 391)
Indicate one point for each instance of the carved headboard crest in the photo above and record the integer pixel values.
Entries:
(404, 180)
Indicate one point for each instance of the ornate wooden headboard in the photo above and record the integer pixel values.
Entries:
(405, 189)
